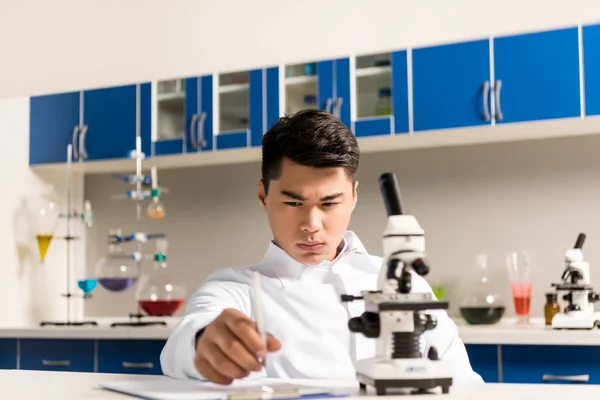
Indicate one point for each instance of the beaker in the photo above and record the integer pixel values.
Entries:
(482, 305)
(117, 271)
(519, 273)
(158, 294)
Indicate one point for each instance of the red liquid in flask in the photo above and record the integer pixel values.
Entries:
(160, 308)
(522, 298)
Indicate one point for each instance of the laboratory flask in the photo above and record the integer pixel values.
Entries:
(482, 304)
(86, 277)
(117, 271)
(47, 217)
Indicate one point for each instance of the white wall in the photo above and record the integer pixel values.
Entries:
(535, 196)
(52, 46)
(29, 291)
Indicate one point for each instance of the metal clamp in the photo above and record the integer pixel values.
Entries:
(570, 378)
(146, 365)
(497, 88)
(486, 91)
(193, 131)
(63, 363)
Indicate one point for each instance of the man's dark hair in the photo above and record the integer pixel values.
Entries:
(312, 138)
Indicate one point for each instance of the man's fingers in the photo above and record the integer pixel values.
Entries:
(244, 329)
(272, 343)
(236, 351)
(210, 373)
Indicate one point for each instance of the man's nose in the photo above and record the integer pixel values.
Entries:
(312, 220)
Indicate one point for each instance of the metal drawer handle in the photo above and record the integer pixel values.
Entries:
(64, 363)
(75, 133)
(82, 148)
(201, 141)
(146, 365)
(193, 131)
(497, 88)
(338, 107)
(571, 378)
(328, 104)
(486, 90)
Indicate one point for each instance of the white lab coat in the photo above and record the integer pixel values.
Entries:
(302, 308)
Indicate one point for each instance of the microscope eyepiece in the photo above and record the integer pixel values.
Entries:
(391, 193)
(580, 241)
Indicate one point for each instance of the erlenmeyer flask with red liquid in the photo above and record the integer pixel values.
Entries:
(157, 294)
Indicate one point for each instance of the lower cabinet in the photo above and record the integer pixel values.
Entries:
(8, 353)
(74, 355)
(130, 356)
(484, 361)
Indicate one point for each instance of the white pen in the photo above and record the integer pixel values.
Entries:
(258, 310)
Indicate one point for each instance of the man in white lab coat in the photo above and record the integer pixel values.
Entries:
(308, 190)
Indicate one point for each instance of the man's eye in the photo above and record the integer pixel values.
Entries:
(329, 204)
(292, 203)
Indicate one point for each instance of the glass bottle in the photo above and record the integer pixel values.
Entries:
(482, 305)
(551, 308)
(156, 209)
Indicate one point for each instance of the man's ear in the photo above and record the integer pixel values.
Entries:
(355, 194)
(262, 194)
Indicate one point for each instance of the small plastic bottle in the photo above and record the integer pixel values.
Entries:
(551, 308)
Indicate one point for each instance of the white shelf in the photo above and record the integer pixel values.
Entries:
(170, 96)
(571, 127)
(373, 71)
(300, 80)
(234, 88)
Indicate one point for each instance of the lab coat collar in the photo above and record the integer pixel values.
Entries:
(277, 262)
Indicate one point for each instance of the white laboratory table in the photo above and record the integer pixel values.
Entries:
(30, 385)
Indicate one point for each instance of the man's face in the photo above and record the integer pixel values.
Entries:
(309, 210)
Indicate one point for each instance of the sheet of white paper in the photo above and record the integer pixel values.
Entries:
(165, 388)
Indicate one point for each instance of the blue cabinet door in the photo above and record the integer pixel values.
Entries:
(53, 125)
(343, 101)
(325, 85)
(8, 353)
(57, 355)
(537, 76)
(111, 118)
(273, 97)
(130, 356)
(199, 114)
(484, 361)
(549, 364)
(591, 68)
(451, 85)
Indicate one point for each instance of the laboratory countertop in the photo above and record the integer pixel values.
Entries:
(76, 385)
(504, 332)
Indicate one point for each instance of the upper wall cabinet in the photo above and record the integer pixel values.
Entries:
(451, 85)
(591, 62)
(380, 94)
(536, 76)
(101, 124)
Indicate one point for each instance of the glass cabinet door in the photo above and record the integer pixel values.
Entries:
(233, 126)
(169, 127)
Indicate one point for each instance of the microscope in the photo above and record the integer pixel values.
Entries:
(395, 316)
(579, 313)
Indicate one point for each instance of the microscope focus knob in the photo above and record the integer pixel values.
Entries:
(356, 325)
(367, 324)
(431, 322)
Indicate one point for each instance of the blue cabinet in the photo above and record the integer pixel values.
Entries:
(184, 116)
(550, 364)
(537, 76)
(8, 353)
(57, 355)
(100, 124)
(591, 68)
(130, 356)
(381, 94)
(484, 361)
(54, 122)
(451, 86)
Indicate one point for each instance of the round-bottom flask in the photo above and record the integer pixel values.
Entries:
(482, 305)
(117, 271)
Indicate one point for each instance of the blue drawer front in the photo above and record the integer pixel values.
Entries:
(484, 361)
(373, 127)
(170, 146)
(57, 355)
(8, 353)
(232, 140)
(130, 356)
(528, 364)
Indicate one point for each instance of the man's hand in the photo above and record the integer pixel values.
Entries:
(231, 348)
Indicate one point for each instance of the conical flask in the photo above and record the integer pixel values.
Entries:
(47, 216)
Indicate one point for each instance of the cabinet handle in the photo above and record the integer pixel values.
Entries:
(328, 105)
(146, 365)
(64, 363)
(75, 152)
(571, 378)
(82, 149)
(486, 90)
(201, 140)
(497, 88)
(337, 108)
(193, 131)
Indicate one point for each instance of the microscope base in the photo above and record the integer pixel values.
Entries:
(576, 320)
(420, 374)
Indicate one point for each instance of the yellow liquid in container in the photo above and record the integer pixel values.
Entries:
(43, 244)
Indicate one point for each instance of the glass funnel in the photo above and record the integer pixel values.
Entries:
(482, 305)
(157, 293)
(117, 271)
(47, 216)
